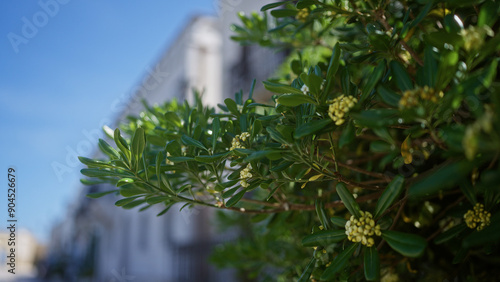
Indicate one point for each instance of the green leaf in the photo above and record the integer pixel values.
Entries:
(89, 182)
(450, 234)
(159, 160)
(345, 81)
(348, 134)
(244, 123)
(235, 199)
(133, 204)
(121, 143)
(402, 78)
(94, 163)
(348, 200)
(373, 79)
(324, 238)
(232, 106)
(307, 271)
(215, 132)
(441, 38)
(311, 127)
(108, 150)
(127, 191)
(281, 13)
(383, 133)
(145, 207)
(250, 92)
(312, 81)
(192, 142)
(211, 158)
(138, 143)
(108, 131)
(488, 14)
(320, 211)
(390, 194)
(304, 4)
(334, 64)
(229, 192)
(444, 177)
(407, 244)
(447, 68)
(158, 199)
(183, 188)
(125, 201)
(124, 181)
(292, 100)
(174, 148)
(388, 96)
(271, 193)
(338, 221)
(430, 68)
(281, 88)
(180, 159)
(100, 194)
(272, 5)
(421, 15)
(468, 190)
(256, 128)
(94, 172)
(173, 119)
(376, 117)
(164, 211)
(379, 146)
(338, 262)
(371, 264)
(270, 154)
(275, 135)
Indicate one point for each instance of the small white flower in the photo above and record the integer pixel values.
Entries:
(305, 89)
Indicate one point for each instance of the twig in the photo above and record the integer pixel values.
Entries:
(297, 207)
(439, 230)
(396, 218)
(360, 170)
(381, 17)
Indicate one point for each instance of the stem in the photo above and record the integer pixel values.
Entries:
(298, 207)
(379, 15)
(396, 218)
(360, 170)
(333, 152)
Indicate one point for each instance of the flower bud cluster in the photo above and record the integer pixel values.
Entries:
(412, 97)
(339, 107)
(236, 143)
(477, 217)
(473, 38)
(302, 14)
(362, 229)
(245, 174)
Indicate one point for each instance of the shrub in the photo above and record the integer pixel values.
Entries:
(377, 158)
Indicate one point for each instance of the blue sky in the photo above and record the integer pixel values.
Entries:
(62, 66)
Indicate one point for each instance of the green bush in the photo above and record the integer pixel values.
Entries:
(378, 158)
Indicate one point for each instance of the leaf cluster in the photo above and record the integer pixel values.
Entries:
(418, 146)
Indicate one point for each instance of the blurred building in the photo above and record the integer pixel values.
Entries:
(101, 242)
(27, 253)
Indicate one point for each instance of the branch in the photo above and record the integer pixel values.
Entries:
(379, 15)
(296, 207)
(360, 170)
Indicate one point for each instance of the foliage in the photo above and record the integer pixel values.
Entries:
(396, 128)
